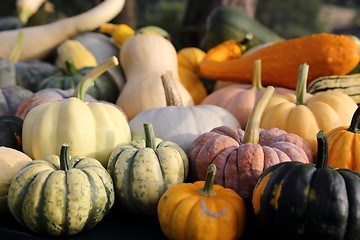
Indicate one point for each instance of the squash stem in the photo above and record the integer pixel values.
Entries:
(172, 93)
(16, 52)
(64, 157)
(256, 81)
(355, 122)
(88, 80)
(149, 136)
(70, 68)
(322, 158)
(301, 84)
(252, 131)
(207, 190)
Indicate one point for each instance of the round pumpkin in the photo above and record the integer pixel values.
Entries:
(202, 210)
(294, 200)
(144, 169)
(60, 195)
(11, 132)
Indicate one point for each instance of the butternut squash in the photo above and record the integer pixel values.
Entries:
(40, 40)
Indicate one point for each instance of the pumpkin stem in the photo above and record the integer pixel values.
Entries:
(64, 157)
(301, 84)
(322, 158)
(149, 136)
(207, 190)
(172, 94)
(88, 80)
(15, 54)
(252, 132)
(256, 81)
(70, 68)
(355, 122)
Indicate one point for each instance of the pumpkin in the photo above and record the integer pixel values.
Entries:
(144, 58)
(60, 195)
(93, 128)
(343, 145)
(306, 114)
(178, 123)
(239, 99)
(188, 61)
(144, 169)
(312, 201)
(11, 161)
(242, 155)
(11, 131)
(202, 210)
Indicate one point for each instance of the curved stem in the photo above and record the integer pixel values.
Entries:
(88, 80)
(149, 136)
(355, 122)
(16, 52)
(256, 81)
(172, 93)
(64, 157)
(207, 190)
(253, 124)
(301, 84)
(322, 158)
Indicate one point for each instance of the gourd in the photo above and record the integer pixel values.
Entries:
(202, 210)
(11, 131)
(61, 195)
(326, 53)
(178, 123)
(144, 58)
(306, 114)
(11, 161)
(343, 145)
(93, 128)
(27, 8)
(240, 99)
(40, 40)
(144, 169)
(241, 156)
(313, 201)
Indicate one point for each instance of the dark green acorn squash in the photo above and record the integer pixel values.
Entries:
(11, 131)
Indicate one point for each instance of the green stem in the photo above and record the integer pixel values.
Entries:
(301, 84)
(322, 155)
(355, 122)
(70, 68)
(15, 54)
(149, 136)
(64, 157)
(172, 94)
(207, 190)
(252, 131)
(88, 80)
(256, 81)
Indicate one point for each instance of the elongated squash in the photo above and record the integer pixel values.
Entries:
(327, 54)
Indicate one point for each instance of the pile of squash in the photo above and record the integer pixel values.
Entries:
(93, 115)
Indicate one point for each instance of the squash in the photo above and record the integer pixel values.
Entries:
(305, 114)
(343, 145)
(240, 99)
(312, 201)
(27, 8)
(202, 210)
(144, 58)
(11, 131)
(241, 156)
(93, 128)
(144, 169)
(61, 195)
(11, 161)
(40, 40)
(326, 53)
(188, 62)
(178, 123)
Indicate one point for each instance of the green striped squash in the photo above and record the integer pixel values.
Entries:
(59, 195)
(144, 169)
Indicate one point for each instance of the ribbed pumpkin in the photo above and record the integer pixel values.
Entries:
(293, 200)
(144, 169)
(93, 128)
(344, 145)
(305, 114)
(241, 156)
(60, 195)
(178, 123)
(11, 132)
(202, 210)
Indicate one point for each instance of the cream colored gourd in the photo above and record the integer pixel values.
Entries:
(11, 161)
(144, 58)
(42, 39)
(27, 8)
